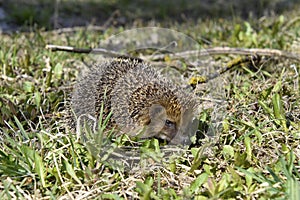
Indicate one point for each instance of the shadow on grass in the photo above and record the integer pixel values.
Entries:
(57, 14)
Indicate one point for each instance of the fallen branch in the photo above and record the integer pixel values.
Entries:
(76, 29)
(228, 50)
(236, 62)
(185, 54)
(84, 50)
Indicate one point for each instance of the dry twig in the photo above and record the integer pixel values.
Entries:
(84, 50)
(229, 50)
(199, 53)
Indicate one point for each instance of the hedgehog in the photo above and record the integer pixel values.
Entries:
(138, 99)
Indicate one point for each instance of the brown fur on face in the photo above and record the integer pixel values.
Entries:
(158, 109)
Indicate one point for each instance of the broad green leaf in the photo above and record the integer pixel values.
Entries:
(111, 196)
(293, 189)
(71, 171)
(278, 111)
(58, 70)
(144, 190)
(39, 168)
(207, 169)
(197, 183)
(28, 86)
(277, 87)
(37, 98)
(228, 151)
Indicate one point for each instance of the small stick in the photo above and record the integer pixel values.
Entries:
(76, 28)
(84, 50)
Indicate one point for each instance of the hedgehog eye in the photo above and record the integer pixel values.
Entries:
(169, 123)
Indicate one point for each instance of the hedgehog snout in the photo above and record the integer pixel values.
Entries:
(168, 131)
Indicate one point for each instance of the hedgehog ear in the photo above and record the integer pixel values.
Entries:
(157, 114)
(157, 111)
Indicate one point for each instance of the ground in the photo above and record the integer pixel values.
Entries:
(253, 154)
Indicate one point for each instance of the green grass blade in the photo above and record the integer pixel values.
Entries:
(20, 126)
(39, 168)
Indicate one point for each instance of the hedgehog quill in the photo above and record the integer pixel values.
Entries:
(139, 98)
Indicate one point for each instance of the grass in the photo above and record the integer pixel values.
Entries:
(254, 156)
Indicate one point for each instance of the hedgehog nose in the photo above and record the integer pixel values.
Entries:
(180, 139)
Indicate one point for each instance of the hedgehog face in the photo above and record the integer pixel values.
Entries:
(160, 123)
(180, 122)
